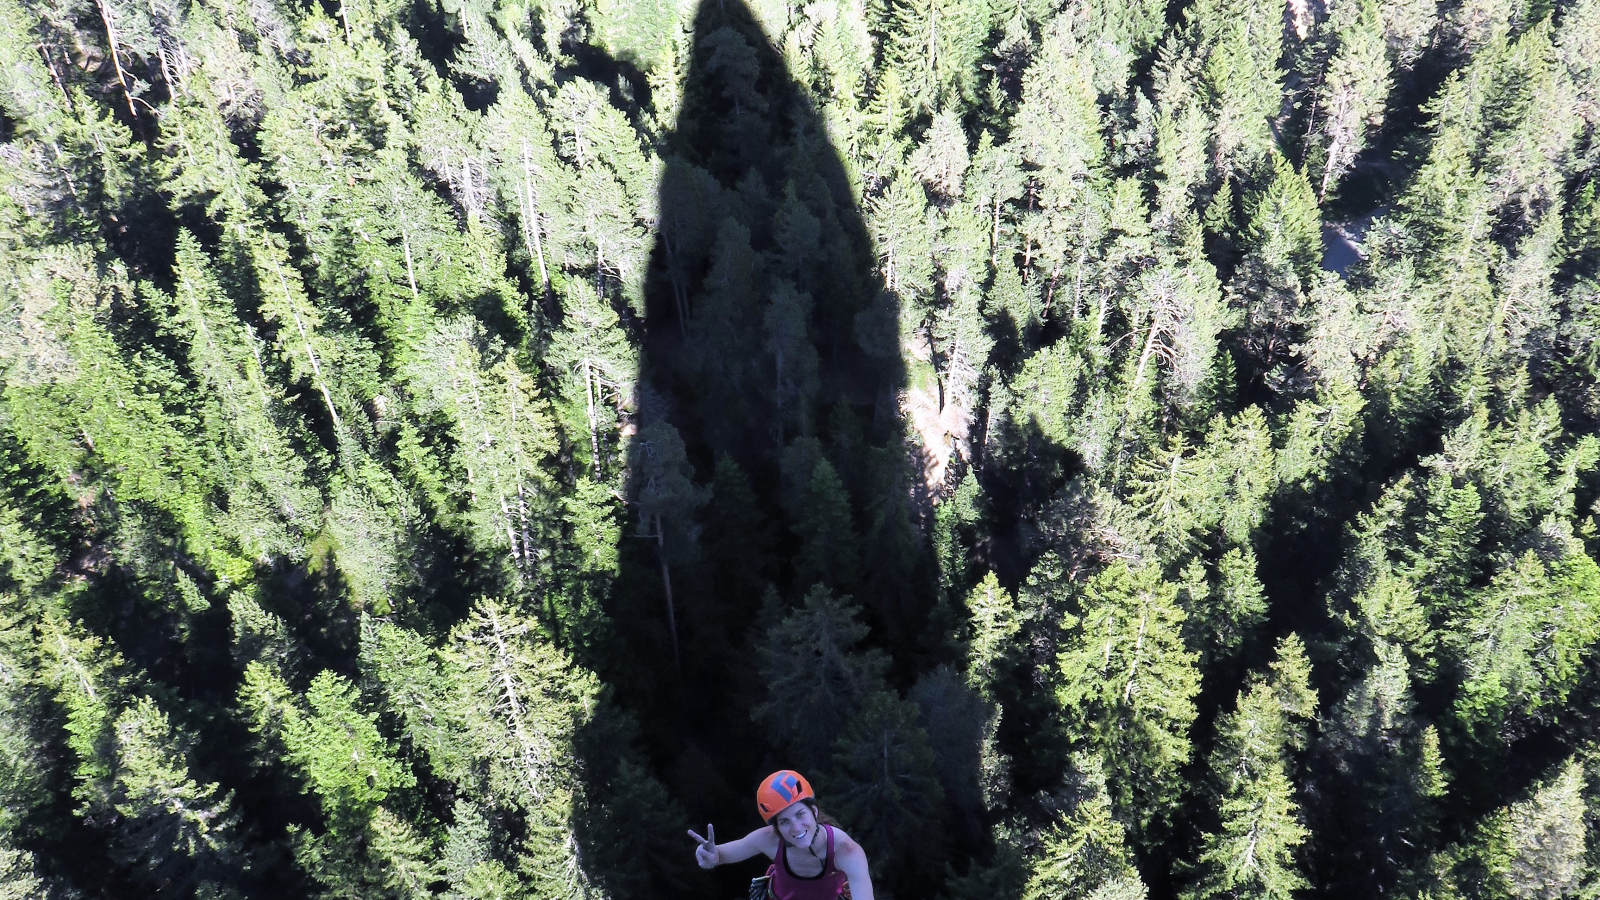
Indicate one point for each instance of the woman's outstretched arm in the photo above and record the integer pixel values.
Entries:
(710, 853)
(852, 861)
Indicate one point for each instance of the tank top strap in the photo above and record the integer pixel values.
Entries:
(829, 866)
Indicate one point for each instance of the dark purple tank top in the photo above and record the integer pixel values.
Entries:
(831, 884)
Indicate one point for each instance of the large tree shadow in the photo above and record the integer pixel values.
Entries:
(770, 454)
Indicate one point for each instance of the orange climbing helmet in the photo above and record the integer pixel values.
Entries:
(779, 791)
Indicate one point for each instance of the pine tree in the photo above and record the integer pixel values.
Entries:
(955, 522)
(993, 619)
(1227, 67)
(667, 499)
(270, 504)
(740, 540)
(1532, 848)
(904, 241)
(337, 747)
(1128, 686)
(956, 721)
(885, 777)
(180, 833)
(1352, 98)
(1057, 126)
(521, 703)
(1253, 855)
(497, 711)
(942, 158)
(526, 170)
(503, 437)
(994, 181)
(1176, 312)
(372, 522)
(816, 678)
(1227, 614)
(721, 325)
(935, 48)
(596, 362)
(1086, 853)
(1517, 659)
(105, 407)
(611, 184)
(794, 360)
(1282, 238)
(1224, 485)
(18, 877)
(827, 554)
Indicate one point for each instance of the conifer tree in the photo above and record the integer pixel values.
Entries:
(1353, 95)
(887, 782)
(180, 833)
(1128, 686)
(270, 504)
(740, 540)
(1282, 241)
(528, 173)
(667, 501)
(18, 877)
(1532, 848)
(959, 724)
(810, 658)
(1253, 855)
(112, 403)
(1086, 854)
(1518, 660)
(936, 48)
(595, 361)
(1235, 49)
(827, 554)
(794, 360)
(503, 437)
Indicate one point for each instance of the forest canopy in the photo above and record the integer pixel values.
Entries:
(1115, 449)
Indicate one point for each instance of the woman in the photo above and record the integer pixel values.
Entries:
(811, 860)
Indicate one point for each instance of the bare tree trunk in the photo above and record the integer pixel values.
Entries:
(116, 58)
(405, 244)
(1077, 276)
(527, 536)
(531, 220)
(1144, 356)
(594, 425)
(1138, 649)
(503, 677)
(675, 274)
(511, 531)
(305, 341)
(994, 235)
(259, 376)
(1335, 146)
(666, 584)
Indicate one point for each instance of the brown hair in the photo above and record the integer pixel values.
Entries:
(821, 817)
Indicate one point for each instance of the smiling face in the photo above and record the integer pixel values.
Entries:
(797, 824)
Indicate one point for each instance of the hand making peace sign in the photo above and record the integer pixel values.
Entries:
(706, 853)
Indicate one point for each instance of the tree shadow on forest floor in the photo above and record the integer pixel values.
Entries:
(771, 454)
